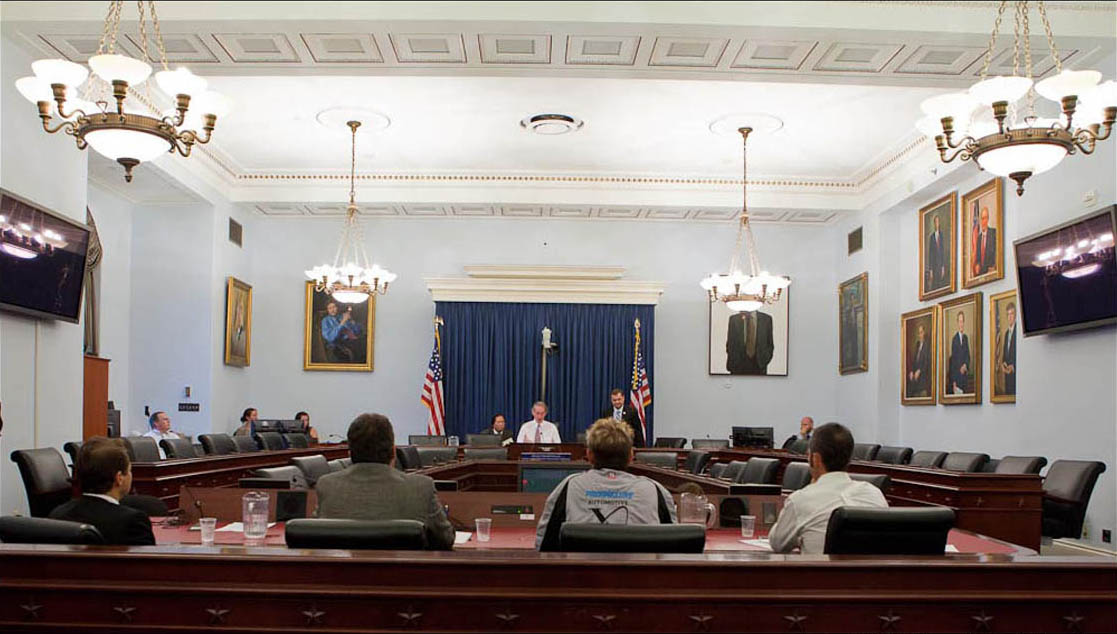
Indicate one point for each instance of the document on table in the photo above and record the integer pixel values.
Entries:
(757, 543)
(461, 537)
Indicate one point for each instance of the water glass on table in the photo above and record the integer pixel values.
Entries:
(209, 527)
(484, 528)
(254, 507)
(748, 526)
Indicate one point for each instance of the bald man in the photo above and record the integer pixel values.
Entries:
(806, 426)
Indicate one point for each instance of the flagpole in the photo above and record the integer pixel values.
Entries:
(437, 337)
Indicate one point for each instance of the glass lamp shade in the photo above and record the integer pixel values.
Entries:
(929, 126)
(1000, 88)
(350, 297)
(1068, 82)
(958, 105)
(59, 71)
(35, 89)
(1102, 95)
(743, 306)
(116, 144)
(1032, 157)
(180, 81)
(210, 102)
(112, 67)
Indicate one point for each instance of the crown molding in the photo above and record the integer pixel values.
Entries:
(544, 285)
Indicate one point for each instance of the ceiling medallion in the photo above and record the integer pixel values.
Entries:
(760, 122)
(120, 132)
(551, 124)
(995, 122)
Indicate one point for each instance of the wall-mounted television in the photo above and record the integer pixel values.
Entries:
(1067, 275)
(42, 260)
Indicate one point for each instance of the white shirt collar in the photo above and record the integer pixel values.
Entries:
(108, 498)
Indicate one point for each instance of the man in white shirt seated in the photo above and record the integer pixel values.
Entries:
(160, 429)
(538, 430)
(606, 494)
(806, 513)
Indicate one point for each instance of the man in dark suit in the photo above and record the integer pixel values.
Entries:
(105, 474)
(498, 427)
(960, 374)
(748, 343)
(1008, 350)
(985, 247)
(936, 257)
(620, 410)
(919, 366)
(372, 489)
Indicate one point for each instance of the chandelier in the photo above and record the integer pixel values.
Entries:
(122, 132)
(350, 279)
(745, 292)
(1006, 138)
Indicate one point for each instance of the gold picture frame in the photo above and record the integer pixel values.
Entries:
(352, 346)
(960, 342)
(917, 365)
(238, 322)
(936, 253)
(853, 325)
(1002, 346)
(983, 264)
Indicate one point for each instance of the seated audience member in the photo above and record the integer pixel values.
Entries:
(499, 428)
(538, 430)
(160, 429)
(605, 494)
(372, 489)
(802, 524)
(247, 423)
(619, 410)
(105, 474)
(310, 432)
(806, 426)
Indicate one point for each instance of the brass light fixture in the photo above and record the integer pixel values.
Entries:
(122, 133)
(351, 279)
(740, 291)
(1014, 142)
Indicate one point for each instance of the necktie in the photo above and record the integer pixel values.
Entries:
(617, 414)
(750, 334)
(538, 433)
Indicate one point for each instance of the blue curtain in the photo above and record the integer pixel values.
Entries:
(491, 361)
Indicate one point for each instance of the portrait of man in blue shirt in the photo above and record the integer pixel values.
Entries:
(343, 336)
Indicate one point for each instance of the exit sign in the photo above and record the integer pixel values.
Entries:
(189, 407)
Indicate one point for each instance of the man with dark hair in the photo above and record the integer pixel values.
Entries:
(807, 511)
(105, 474)
(372, 489)
(606, 494)
(160, 428)
(622, 411)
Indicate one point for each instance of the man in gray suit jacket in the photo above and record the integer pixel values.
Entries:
(372, 489)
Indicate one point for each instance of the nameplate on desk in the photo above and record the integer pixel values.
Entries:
(512, 509)
(557, 456)
(754, 489)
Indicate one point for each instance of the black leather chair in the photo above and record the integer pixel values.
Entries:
(709, 443)
(72, 448)
(198, 450)
(580, 438)
(670, 442)
(427, 441)
(1020, 464)
(734, 469)
(796, 475)
(149, 504)
(271, 440)
(896, 531)
(636, 538)
(932, 459)
(696, 462)
(142, 449)
(894, 455)
(800, 446)
(486, 453)
(245, 444)
(313, 467)
(964, 461)
(865, 451)
(355, 534)
(296, 441)
(290, 473)
(789, 443)
(45, 478)
(482, 440)
(407, 458)
(219, 444)
(656, 459)
(717, 470)
(40, 530)
(880, 480)
(346, 462)
(1066, 492)
(177, 448)
(436, 455)
(759, 471)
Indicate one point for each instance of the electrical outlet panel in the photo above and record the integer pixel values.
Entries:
(1107, 535)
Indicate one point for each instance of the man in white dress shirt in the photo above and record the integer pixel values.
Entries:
(160, 429)
(806, 512)
(537, 430)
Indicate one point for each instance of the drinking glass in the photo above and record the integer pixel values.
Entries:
(748, 526)
(254, 506)
(209, 526)
(484, 528)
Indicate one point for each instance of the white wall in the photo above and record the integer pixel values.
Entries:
(41, 360)
(230, 383)
(113, 216)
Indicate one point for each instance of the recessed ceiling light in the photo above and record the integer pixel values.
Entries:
(760, 122)
(551, 124)
(337, 119)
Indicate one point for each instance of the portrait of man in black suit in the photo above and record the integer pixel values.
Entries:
(1004, 348)
(937, 229)
(936, 257)
(985, 246)
(748, 343)
(918, 373)
(753, 343)
(960, 366)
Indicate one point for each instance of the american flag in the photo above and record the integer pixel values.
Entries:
(432, 392)
(641, 394)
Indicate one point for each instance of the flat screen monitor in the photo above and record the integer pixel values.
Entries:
(753, 437)
(1067, 275)
(42, 260)
(268, 424)
(543, 478)
(291, 426)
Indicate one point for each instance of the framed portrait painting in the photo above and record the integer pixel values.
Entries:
(853, 325)
(1002, 347)
(238, 322)
(918, 346)
(338, 336)
(749, 344)
(936, 247)
(960, 339)
(982, 235)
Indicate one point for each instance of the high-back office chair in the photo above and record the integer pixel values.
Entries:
(355, 534)
(45, 478)
(894, 455)
(1066, 492)
(271, 440)
(290, 474)
(865, 451)
(796, 475)
(245, 444)
(800, 446)
(580, 438)
(483, 440)
(296, 440)
(758, 471)
(894, 531)
(670, 442)
(709, 443)
(336, 465)
(407, 458)
(486, 453)
(696, 461)
(635, 538)
(177, 448)
(220, 444)
(964, 461)
(717, 470)
(733, 470)
(142, 449)
(427, 441)
(149, 504)
(73, 448)
(656, 459)
(313, 467)
(436, 455)
(40, 530)
(880, 480)
(927, 459)
(1020, 464)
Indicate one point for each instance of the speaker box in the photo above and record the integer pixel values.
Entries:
(290, 505)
